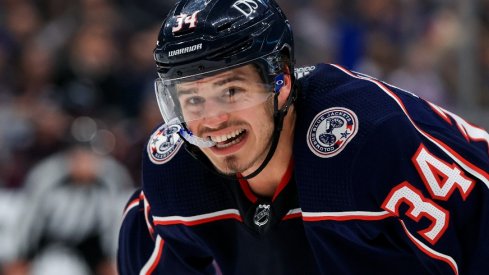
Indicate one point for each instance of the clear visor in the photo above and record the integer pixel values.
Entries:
(206, 96)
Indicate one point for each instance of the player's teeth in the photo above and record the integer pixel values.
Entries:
(227, 136)
(221, 146)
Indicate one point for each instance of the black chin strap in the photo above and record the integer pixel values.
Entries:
(278, 119)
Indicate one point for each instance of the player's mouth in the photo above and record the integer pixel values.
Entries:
(230, 142)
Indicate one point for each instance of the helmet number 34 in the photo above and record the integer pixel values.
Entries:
(185, 19)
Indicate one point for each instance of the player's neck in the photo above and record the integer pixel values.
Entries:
(265, 183)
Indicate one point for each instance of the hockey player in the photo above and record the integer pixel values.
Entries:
(326, 171)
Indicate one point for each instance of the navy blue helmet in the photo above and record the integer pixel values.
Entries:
(201, 36)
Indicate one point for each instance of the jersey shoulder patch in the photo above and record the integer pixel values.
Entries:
(164, 144)
(331, 130)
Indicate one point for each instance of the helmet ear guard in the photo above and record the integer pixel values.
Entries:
(279, 83)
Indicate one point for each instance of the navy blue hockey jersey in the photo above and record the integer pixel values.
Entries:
(381, 182)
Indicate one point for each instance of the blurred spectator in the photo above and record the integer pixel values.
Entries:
(13, 131)
(6, 68)
(37, 65)
(74, 204)
(419, 75)
(11, 207)
(316, 30)
(22, 20)
(132, 134)
(88, 77)
(380, 57)
(31, 133)
(484, 50)
(137, 73)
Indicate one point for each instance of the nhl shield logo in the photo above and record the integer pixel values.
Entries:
(262, 215)
(164, 144)
(331, 130)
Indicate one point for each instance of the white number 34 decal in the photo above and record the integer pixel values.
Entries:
(441, 180)
(184, 19)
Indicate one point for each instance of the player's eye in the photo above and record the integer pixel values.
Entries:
(194, 101)
(231, 94)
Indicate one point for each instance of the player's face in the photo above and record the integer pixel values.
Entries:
(242, 133)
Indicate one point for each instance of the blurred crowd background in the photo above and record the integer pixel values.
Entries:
(77, 102)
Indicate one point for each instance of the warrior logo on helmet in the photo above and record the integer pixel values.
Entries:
(164, 144)
(331, 130)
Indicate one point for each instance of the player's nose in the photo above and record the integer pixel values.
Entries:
(214, 119)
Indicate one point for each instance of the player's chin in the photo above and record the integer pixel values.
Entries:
(229, 166)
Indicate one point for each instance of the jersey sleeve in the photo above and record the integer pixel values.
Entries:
(412, 207)
(143, 251)
(136, 244)
(426, 198)
(362, 237)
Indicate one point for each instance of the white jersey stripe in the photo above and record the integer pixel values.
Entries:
(481, 175)
(130, 206)
(147, 208)
(294, 211)
(430, 252)
(198, 219)
(346, 215)
(471, 132)
(292, 214)
(151, 264)
(440, 112)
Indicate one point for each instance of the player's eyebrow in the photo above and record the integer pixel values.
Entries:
(186, 92)
(236, 77)
(233, 78)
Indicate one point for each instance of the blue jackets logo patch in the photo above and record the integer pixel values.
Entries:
(164, 144)
(331, 130)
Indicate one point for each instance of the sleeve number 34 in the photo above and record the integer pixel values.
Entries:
(441, 180)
